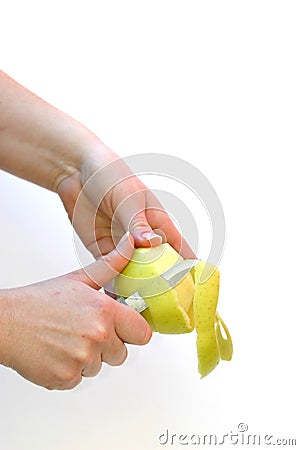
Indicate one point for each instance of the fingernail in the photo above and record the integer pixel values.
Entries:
(151, 236)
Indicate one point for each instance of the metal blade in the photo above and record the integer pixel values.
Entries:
(172, 276)
(134, 301)
(176, 273)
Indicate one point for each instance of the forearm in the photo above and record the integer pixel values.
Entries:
(40, 143)
(6, 298)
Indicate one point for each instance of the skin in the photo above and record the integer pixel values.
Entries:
(57, 331)
(211, 346)
(191, 303)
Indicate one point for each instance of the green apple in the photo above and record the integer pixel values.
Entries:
(191, 303)
(169, 310)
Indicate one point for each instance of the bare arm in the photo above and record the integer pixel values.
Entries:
(57, 330)
(40, 143)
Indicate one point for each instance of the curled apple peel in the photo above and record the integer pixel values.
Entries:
(192, 303)
(211, 345)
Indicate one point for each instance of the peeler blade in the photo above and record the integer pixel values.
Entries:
(172, 276)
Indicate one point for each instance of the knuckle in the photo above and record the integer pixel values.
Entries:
(83, 355)
(138, 221)
(110, 261)
(102, 334)
(100, 326)
(99, 333)
(67, 375)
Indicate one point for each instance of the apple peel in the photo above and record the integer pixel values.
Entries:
(192, 303)
(165, 311)
(211, 345)
(169, 310)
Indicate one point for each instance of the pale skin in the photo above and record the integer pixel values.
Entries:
(56, 331)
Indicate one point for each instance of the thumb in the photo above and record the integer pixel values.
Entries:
(142, 233)
(130, 326)
(99, 273)
(131, 213)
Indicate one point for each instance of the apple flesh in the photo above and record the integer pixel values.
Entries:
(172, 311)
(169, 310)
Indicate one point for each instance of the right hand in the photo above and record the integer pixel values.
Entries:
(56, 331)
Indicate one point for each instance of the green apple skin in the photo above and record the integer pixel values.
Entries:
(169, 310)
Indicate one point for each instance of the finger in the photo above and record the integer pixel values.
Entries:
(130, 212)
(115, 353)
(152, 225)
(142, 233)
(176, 240)
(163, 224)
(67, 385)
(109, 266)
(93, 368)
(130, 326)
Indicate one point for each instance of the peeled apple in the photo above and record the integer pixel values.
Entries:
(192, 303)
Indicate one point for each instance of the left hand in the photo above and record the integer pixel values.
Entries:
(128, 205)
(45, 146)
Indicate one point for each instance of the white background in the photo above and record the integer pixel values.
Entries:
(216, 83)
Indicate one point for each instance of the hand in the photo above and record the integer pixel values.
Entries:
(49, 148)
(127, 205)
(57, 331)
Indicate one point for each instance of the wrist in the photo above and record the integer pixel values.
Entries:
(81, 160)
(40, 143)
